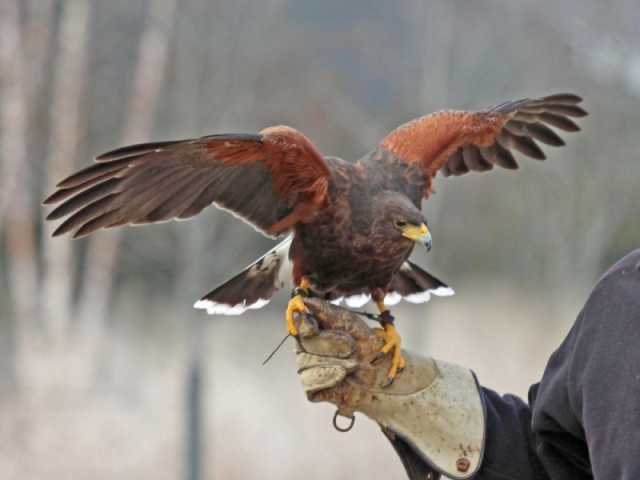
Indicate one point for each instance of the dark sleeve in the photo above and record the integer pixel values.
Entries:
(604, 373)
(414, 466)
(586, 414)
(509, 451)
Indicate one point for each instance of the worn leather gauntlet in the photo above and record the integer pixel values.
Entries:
(433, 411)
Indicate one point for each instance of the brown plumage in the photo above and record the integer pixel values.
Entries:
(272, 180)
(353, 224)
(456, 142)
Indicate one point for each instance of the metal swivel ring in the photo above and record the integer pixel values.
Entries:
(352, 418)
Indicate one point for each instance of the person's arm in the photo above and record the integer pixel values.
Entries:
(510, 448)
(435, 414)
(604, 372)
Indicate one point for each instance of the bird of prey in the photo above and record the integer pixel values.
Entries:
(350, 226)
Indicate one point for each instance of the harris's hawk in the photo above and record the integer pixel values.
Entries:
(351, 226)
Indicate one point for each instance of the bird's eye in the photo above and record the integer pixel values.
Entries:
(400, 224)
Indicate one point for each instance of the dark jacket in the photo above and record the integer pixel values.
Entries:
(582, 420)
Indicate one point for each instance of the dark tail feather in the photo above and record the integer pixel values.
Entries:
(410, 283)
(415, 285)
(253, 287)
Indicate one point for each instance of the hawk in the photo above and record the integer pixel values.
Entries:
(350, 226)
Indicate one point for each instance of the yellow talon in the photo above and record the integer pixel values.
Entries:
(391, 338)
(391, 344)
(402, 364)
(296, 304)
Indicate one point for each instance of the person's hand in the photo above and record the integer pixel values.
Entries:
(433, 406)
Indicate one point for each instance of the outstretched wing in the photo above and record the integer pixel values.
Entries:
(457, 142)
(271, 180)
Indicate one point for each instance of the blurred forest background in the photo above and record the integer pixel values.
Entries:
(101, 355)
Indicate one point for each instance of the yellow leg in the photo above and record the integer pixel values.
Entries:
(392, 343)
(296, 304)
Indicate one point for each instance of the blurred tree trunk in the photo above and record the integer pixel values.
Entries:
(38, 29)
(145, 91)
(434, 26)
(67, 129)
(16, 202)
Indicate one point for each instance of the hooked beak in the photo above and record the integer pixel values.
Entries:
(419, 234)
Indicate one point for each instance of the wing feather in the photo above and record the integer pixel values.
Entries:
(474, 159)
(84, 197)
(525, 145)
(456, 142)
(538, 131)
(272, 180)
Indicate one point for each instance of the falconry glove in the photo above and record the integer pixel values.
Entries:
(433, 407)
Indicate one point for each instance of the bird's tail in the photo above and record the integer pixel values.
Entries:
(415, 285)
(410, 283)
(254, 286)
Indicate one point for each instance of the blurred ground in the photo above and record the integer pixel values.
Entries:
(258, 423)
(97, 335)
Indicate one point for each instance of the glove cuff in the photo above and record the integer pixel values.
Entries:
(444, 422)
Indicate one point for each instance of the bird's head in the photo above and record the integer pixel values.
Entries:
(402, 221)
